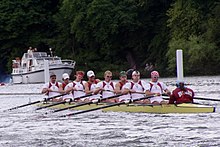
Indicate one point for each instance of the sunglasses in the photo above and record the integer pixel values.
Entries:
(109, 76)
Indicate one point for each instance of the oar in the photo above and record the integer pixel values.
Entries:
(45, 99)
(107, 106)
(20, 93)
(198, 98)
(208, 99)
(87, 103)
(63, 102)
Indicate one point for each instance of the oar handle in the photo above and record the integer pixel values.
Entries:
(109, 91)
(50, 98)
(78, 98)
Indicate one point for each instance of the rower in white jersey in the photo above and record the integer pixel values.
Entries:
(77, 87)
(136, 87)
(119, 87)
(90, 86)
(154, 87)
(63, 87)
(106, 87)
(52, 88)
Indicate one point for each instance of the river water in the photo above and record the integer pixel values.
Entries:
(26, 127)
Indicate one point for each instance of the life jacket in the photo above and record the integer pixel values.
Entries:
(90, 83)
(158, 83)
(110, 84)
(56, 84)
(139, 82)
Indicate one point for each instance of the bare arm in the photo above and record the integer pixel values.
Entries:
(117, 88)
(87, 91)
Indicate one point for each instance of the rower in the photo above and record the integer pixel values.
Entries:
(136, 87)
(52, 88)
(181, 94)
(120, 86)
(77, 87)
(154, 87)
(106, 88)
(90, 86)
(63, 86)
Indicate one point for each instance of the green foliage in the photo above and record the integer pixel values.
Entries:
(115, 34)
(24, 23)
(194, 27)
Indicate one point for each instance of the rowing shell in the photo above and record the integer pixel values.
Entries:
(147, 108)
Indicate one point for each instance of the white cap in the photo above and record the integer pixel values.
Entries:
(65, 76)
(135, 73)
(90, 73)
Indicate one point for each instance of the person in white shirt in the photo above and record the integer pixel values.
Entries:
(106, 87)
(120, 87)
(154, 87)
(136, 87)
(77, 87)
(51, 88)
(90, 86)
(63, 87)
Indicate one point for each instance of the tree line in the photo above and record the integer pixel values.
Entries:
(115, 34)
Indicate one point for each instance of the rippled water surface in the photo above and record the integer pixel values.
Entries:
(27, 127)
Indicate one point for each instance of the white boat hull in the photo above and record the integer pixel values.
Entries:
(37, 76)
(33, 65)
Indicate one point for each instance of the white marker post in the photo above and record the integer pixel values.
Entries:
(46, 71)
(179, 64)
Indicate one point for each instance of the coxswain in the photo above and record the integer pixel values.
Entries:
(181, 94)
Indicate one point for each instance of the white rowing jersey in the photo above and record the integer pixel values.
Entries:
(69, 95)
(80, 88)
(156, 87)
(92, 87)
(54, 87)
(108, 87)
(124, 97)
(138, 87)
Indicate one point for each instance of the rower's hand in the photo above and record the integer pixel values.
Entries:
(101, 89)
(74, 89)
(132, 91)
(49, 90)
(157, 94)
(168, 93)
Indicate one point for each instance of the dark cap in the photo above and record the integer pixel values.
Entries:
(52, 74)
(123, 73)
